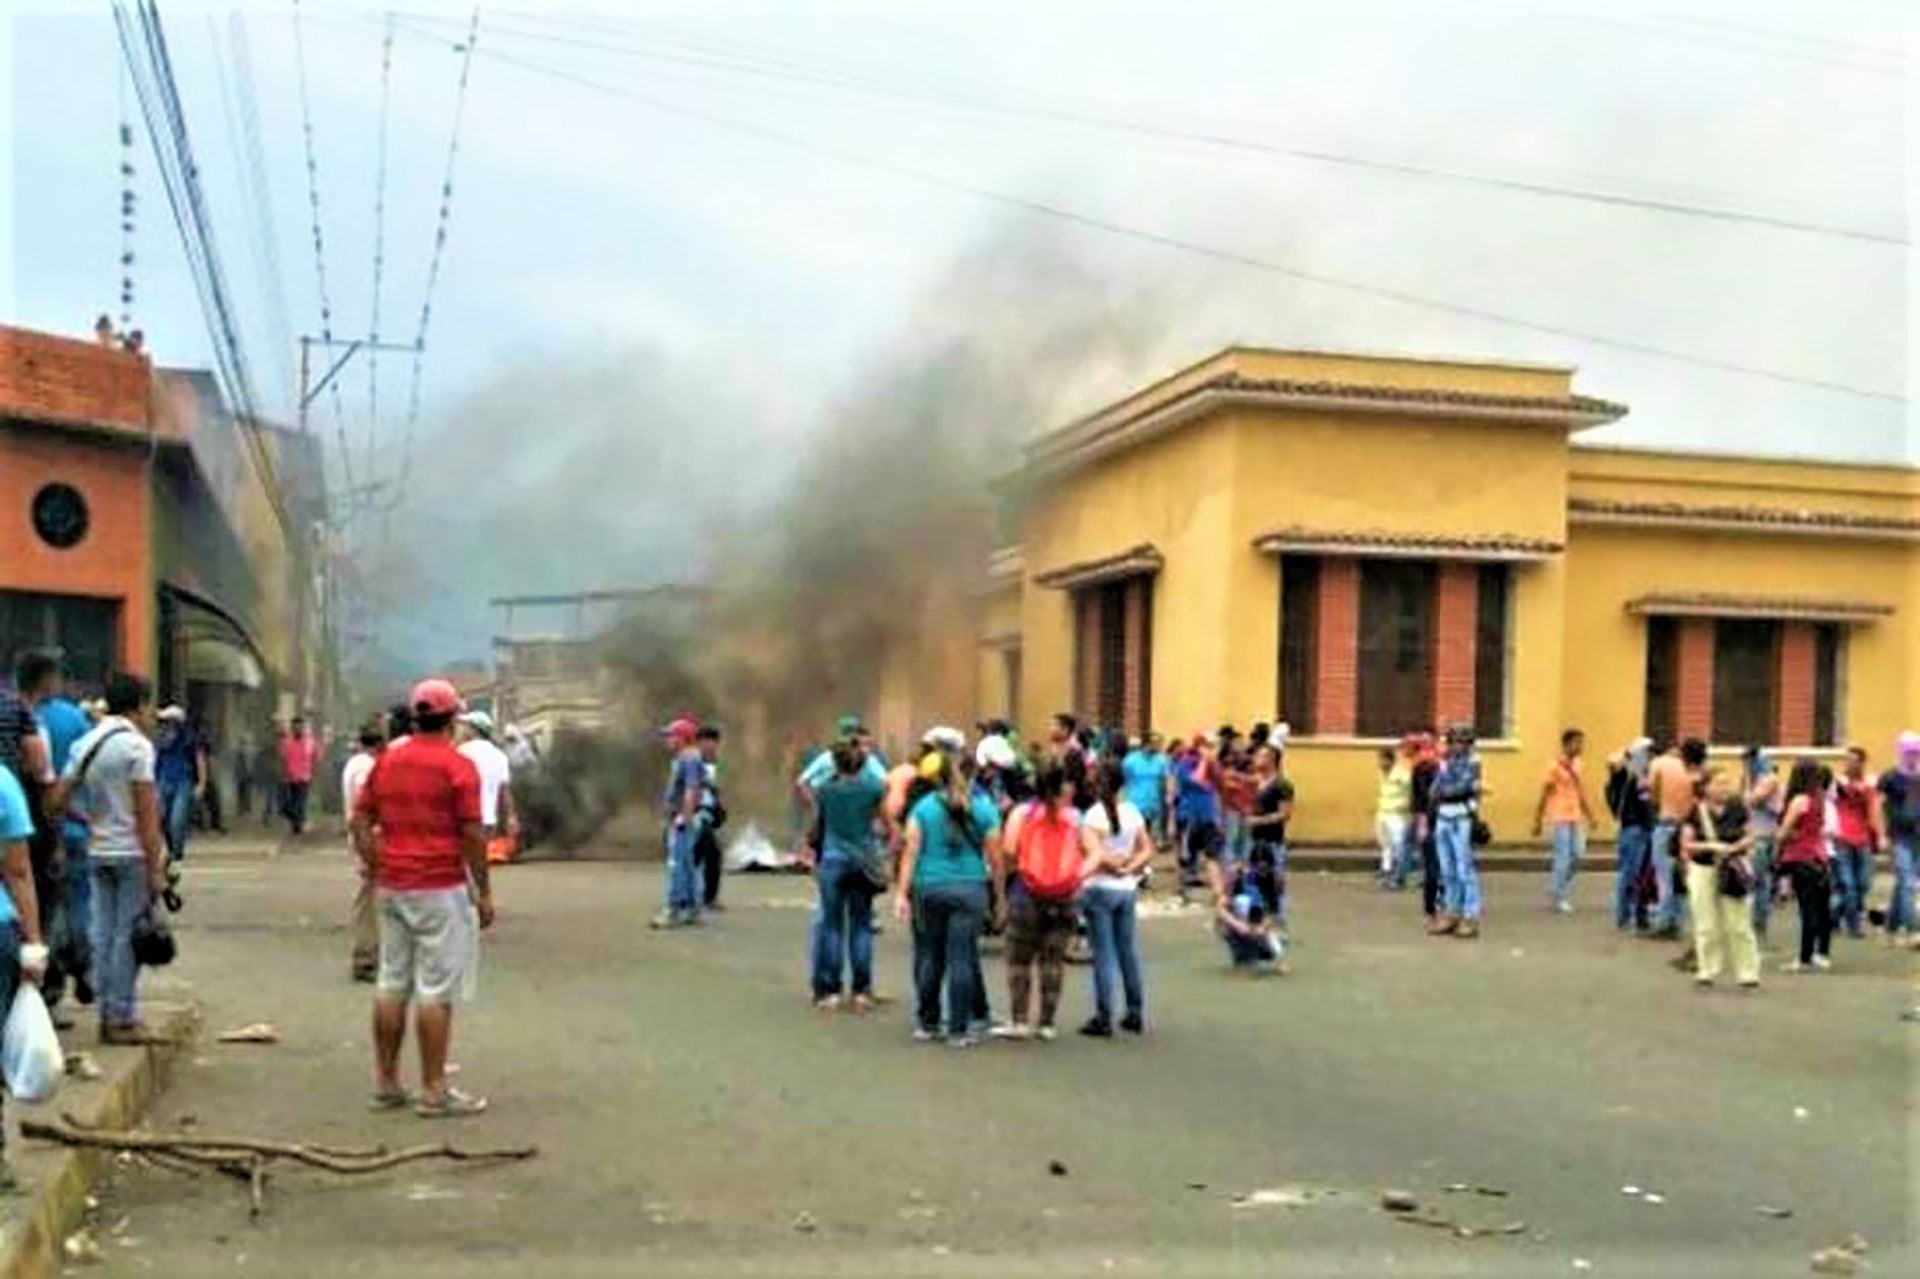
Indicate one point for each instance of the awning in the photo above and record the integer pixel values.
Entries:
(1381, 544)
(209, 643)
(213, 660)
(1134, 562)
(1797, 608)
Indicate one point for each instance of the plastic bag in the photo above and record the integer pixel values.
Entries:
(29, 1049)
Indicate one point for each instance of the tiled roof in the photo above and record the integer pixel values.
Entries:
(1382, 542)
(1144, 558)
(1759, 517)
(1797, 607)
(1366, 393)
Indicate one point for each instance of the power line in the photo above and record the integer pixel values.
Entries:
(787, 70)
(1194, 248)
(379, 241)
(1722, 41)
(128, 206)
(319, 245)
(1785, 37)
(262, 189)
(466, 51)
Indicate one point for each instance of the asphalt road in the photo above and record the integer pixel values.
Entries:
(694, 1114)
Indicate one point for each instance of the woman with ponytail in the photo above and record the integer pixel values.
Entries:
(1044, 835)
(953, 837)
(1118, 848)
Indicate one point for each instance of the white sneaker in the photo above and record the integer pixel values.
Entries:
(1822, 963)
(1563, 908)
(1046, 1034)
(1014, 1031)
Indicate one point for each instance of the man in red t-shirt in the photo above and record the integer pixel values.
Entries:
(417, 828)
(1855, 800)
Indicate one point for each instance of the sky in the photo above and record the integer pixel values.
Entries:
(764, 196)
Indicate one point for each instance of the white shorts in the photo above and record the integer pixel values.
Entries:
(427, 943)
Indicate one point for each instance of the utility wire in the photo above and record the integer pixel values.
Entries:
(319, 245)
(466, 51)
(786, 70)
(128, 206)
(1722, 41)
(1786, 37)
(1191, 247)
(379, 242)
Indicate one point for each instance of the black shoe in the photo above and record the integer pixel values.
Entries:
(83, 992)
(1097, 1028)
(1133, 1025)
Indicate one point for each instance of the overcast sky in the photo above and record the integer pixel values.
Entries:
(591, 220)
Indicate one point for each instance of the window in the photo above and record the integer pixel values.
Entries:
(1114, 646)
(86, 630)
(1746, 657)
(1010, 675)
(60, 516)
(1395, 655)
(1827, 644)
(1663, 678)
(1299, 623)
(1490, 652)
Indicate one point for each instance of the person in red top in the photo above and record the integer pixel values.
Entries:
(417, 828)
(298, 752)
(1854, 798)
(1803, 855)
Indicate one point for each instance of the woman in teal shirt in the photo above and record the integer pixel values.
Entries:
(852, 870)
(950, 860)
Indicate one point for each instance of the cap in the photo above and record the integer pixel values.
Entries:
(993, 752)
(435, 697)
(173, 712)
(930, 765)
(944, 737)
(848, 726)
(681, 729)
(479, 721)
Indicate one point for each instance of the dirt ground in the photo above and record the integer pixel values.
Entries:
(694, 1114)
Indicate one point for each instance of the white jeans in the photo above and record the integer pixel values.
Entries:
(1391, 831)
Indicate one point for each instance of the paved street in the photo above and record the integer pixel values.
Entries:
(694, 1114)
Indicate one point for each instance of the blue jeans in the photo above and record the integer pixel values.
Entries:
(176, 816)
(1116, 950)
(1900, 905)
(119, 897)
(845, 932)
(1763, 879)
(1569, 842)
(1459, 879)
(683, 870)
(949, 918)
(1853, 875)
(1666, 847)
(76, 922)
(1631, 851)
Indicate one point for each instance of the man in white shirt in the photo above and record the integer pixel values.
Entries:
(366, 921)
(497, 814)
(109, 780)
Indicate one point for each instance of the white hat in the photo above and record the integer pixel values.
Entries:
(945, 738)
(993, 752)
(173, 712)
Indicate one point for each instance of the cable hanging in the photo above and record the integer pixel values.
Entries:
(319, 245)
(379, 242)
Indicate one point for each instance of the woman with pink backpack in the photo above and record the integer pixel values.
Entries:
(1043, 836)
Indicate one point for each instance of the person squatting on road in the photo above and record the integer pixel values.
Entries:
(1118, 844)
(364, 923)
(684, 805)
(1049, 868)
(1715, 846)
(417, 828)
(1803, 856)
(851, 870)
(952, 840)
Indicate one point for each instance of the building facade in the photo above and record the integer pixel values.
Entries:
(1360, 546)
(144, 527)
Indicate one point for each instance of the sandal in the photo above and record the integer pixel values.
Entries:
(452, 1104)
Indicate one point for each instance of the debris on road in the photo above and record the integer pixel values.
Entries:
(1399, 1200)
(1282, 1197)
(1801, 1112)
(1651, 1198)
(1057, 1168)
(1467, 1188)
(82, 1066)
(1581, 1263)
(258, 1032)
(1631, 1191)
(1196, 1185)
(81, 1248)
(803, 1222)
(1834, 1261)
(1778, 1214)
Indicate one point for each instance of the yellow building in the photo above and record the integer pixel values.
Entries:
(1361, 545)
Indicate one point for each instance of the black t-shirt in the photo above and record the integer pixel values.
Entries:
(1728, 827)
(1266, 802)
(1900, 801)
(1629, 799)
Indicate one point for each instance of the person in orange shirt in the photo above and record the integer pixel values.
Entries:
(1563, 802)
(1673, 781)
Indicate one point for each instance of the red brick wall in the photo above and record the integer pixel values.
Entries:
(72, 380)
(1693, 697)
(1135, 676)
(1336, 693)
(1793, 685)
(114, 560)
(1456, 615)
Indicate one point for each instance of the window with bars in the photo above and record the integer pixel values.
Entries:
(1491, 628)
(1395, 654)
(1746, 657)
(1299, 628)
(1662, 691)
(1114, 644)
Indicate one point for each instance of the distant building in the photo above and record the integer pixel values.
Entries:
(1364, 545)
(144, 526)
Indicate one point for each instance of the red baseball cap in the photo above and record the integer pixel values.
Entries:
(682, 729)
(435, 697)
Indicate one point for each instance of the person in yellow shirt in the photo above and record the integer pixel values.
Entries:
(1563, 802)
(1393, 815)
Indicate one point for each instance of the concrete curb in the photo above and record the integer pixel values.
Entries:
(54, 1180)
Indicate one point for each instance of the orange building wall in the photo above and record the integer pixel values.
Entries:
(113, 561)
